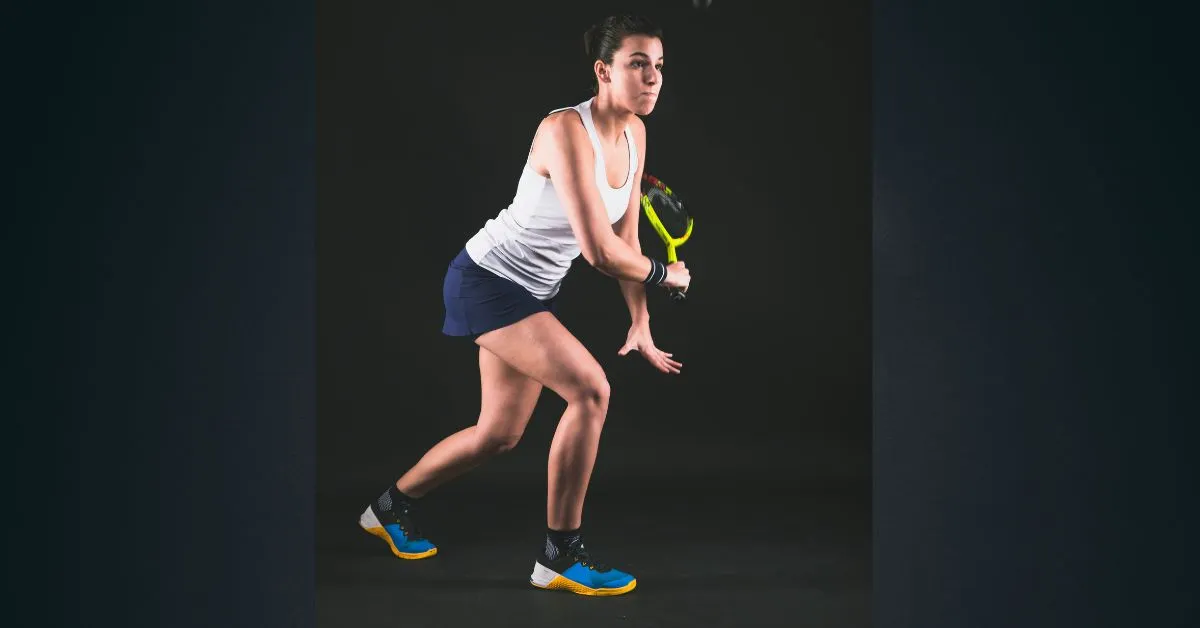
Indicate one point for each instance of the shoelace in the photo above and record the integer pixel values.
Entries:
(581, 554)
(407, 525)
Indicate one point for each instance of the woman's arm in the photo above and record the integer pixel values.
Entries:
(571, 163)
(627, 229)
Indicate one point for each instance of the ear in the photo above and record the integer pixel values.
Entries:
(601, 71)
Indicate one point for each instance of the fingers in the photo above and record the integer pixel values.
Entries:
(678, 275)
(666, 364)
(660, 360)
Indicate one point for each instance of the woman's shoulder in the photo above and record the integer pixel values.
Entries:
(568, 124)
(560, 134)
(563, 128)
(562, 120)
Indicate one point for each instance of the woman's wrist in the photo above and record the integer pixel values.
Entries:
(657, 274)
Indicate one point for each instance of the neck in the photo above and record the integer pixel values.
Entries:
(609, 119)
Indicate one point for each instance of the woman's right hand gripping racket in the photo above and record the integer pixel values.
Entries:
(671, 221)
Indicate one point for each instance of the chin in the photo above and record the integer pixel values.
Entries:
(644, 109)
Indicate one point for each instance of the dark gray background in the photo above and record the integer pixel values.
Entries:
(425, 116)
(424, 121)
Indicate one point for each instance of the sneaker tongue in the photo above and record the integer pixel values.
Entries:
(581, 553)
(402, 516)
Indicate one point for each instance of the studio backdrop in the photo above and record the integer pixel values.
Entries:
(426, 112)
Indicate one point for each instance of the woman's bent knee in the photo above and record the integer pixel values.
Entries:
(495, 444)
(591, 390)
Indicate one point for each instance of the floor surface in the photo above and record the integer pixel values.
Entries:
(705, 554)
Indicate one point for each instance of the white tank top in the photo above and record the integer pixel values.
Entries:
(531, 242)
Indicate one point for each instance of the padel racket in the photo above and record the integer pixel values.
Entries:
(670, 219)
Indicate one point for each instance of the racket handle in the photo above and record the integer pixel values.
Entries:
(677, 294)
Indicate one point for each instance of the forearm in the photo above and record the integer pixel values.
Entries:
(635, 298)
(634, 292)
(617, 259)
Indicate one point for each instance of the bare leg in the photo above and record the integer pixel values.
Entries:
(540, 347)
(508, 400)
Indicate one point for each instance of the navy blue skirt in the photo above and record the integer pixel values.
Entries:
(478, 300)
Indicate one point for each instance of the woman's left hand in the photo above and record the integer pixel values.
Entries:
(639, 340)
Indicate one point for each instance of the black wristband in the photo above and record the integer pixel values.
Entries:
(658, 273)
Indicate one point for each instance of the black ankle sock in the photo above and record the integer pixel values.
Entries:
(393, 499)
(558, 541)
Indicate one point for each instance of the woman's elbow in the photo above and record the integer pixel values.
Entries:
(599, 256)
(595, 256)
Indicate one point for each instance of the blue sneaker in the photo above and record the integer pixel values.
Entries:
(574, 570)
(398, 530)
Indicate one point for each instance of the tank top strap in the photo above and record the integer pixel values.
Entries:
(633, 155)
(585, 112)
(587, 119)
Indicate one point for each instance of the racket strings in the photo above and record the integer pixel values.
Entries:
(670, 212)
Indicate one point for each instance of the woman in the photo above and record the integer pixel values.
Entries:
(579, 193)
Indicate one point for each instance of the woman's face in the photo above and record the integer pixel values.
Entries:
(635, 76)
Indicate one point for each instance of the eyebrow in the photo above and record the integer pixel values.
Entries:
(642, 54)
